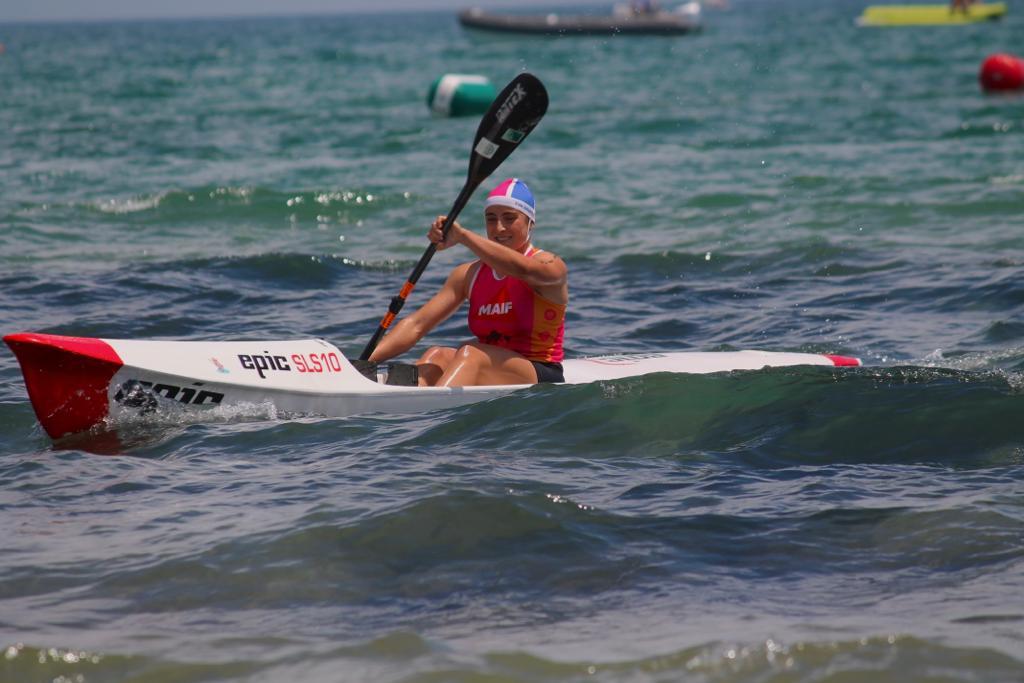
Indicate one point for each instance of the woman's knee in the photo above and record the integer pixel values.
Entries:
(470, 352)
(437, 354)
(433, 363)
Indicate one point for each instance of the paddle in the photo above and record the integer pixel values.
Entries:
(514, 113)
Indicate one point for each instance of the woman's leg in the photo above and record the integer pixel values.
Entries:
(476, 364)
(433, 363)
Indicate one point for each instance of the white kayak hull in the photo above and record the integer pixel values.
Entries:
(77, 383)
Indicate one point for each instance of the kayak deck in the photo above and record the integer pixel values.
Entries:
(929, 15)
(77, 383)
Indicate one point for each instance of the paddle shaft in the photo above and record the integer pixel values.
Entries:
(398, 301)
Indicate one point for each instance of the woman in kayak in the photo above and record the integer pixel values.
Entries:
(517, 299)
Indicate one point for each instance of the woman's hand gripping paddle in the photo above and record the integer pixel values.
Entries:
(514, 113)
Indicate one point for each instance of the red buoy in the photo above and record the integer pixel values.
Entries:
(1002, 72)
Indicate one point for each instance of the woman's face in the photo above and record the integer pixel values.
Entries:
(508, 226)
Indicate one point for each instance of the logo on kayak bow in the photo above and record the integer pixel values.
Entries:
(146, 396)
(317, 363)
(263, 363)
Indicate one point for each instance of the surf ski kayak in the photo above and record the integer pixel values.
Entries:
(76, 383)
(929, 15)
(659, 23)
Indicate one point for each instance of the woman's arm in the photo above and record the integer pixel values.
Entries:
(410, 329)
(546, 273)
(545, 270)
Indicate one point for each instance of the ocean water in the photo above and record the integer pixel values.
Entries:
(781, 181)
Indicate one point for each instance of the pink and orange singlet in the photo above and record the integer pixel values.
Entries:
(506, 312)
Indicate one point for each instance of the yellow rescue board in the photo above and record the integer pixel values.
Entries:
(929, 15)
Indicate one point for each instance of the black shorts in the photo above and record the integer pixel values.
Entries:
(548, 373)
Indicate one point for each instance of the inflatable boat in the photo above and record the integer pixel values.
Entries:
(657, 23)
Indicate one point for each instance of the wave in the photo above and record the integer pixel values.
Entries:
(770, 418)
(385, 550)
(154, 213)
(232, 203)
(992, 127)
(412, 657)
(830, 260)
(832, 278)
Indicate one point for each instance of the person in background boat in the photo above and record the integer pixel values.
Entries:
(962, 6)
(517, 296)
(641, 7)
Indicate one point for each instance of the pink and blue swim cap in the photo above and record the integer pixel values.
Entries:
(513, 192)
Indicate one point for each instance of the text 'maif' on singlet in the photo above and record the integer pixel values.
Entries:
(506, 312)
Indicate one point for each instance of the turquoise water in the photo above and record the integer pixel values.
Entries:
(781, 181)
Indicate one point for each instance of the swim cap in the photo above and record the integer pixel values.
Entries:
(513, 192)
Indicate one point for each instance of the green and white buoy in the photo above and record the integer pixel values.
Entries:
(461, 95)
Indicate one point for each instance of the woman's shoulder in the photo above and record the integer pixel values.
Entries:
(464, 269)
(462, 275)
(545, 256)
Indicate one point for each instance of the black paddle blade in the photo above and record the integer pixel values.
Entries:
(514, 113)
